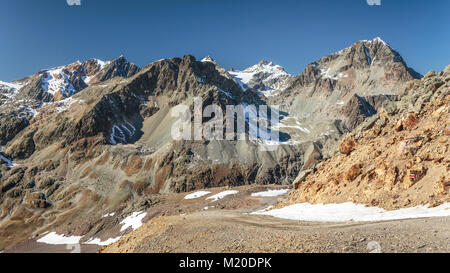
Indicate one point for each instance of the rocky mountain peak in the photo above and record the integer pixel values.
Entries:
(208, 59)
(368, 66)
(264, 62)
(265, 77)
(266, 67)
(119, 67)
(65, 81)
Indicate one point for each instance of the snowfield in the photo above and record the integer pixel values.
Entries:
(353, 212)
(57, 80)
(134, 221)
(109, 215)
(197, 194)
(55, 239)
(97, 241)
(270, 193)
(221, 195)
(11, 85)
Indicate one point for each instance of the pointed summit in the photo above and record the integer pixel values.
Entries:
(121, 58)
(375, 40)
(265, 62)
(367, 68)
(378, 39)
(208, 59)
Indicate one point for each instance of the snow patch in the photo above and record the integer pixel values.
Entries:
(101, 63)
(87, 79)
(55, 239)
(327, 74)
(61, 105)
(197, 194)
(208, 59)
(134, 221)
(58, 81)
(97, 241)
(353, 212)
(270, 193)
(221, 195)
(109, 215)
(120, 132)
(298, 125)
(11, 85)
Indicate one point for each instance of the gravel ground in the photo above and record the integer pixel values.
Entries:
(234, 231)
(199, 225)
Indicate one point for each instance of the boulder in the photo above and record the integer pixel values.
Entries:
(347, 146)
(301, 177)
(353, 172)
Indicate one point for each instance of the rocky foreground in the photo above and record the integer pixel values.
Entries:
(228, 225)
(231, 229)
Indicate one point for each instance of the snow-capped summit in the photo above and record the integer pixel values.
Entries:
(65, 81)
(208, 59)
(222, 71)
(54, 87)
(265, 77)
(9, 87)
(376, 39)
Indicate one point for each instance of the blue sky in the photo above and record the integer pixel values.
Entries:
(37, 34)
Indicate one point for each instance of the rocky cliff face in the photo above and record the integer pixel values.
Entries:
(119, 67)
(400, 157)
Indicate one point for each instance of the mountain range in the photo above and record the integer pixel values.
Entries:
(92, 137)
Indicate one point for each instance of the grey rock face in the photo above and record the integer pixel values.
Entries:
(119, 67)
(10, 126)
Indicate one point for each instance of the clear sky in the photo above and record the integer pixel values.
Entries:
(37, 34)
